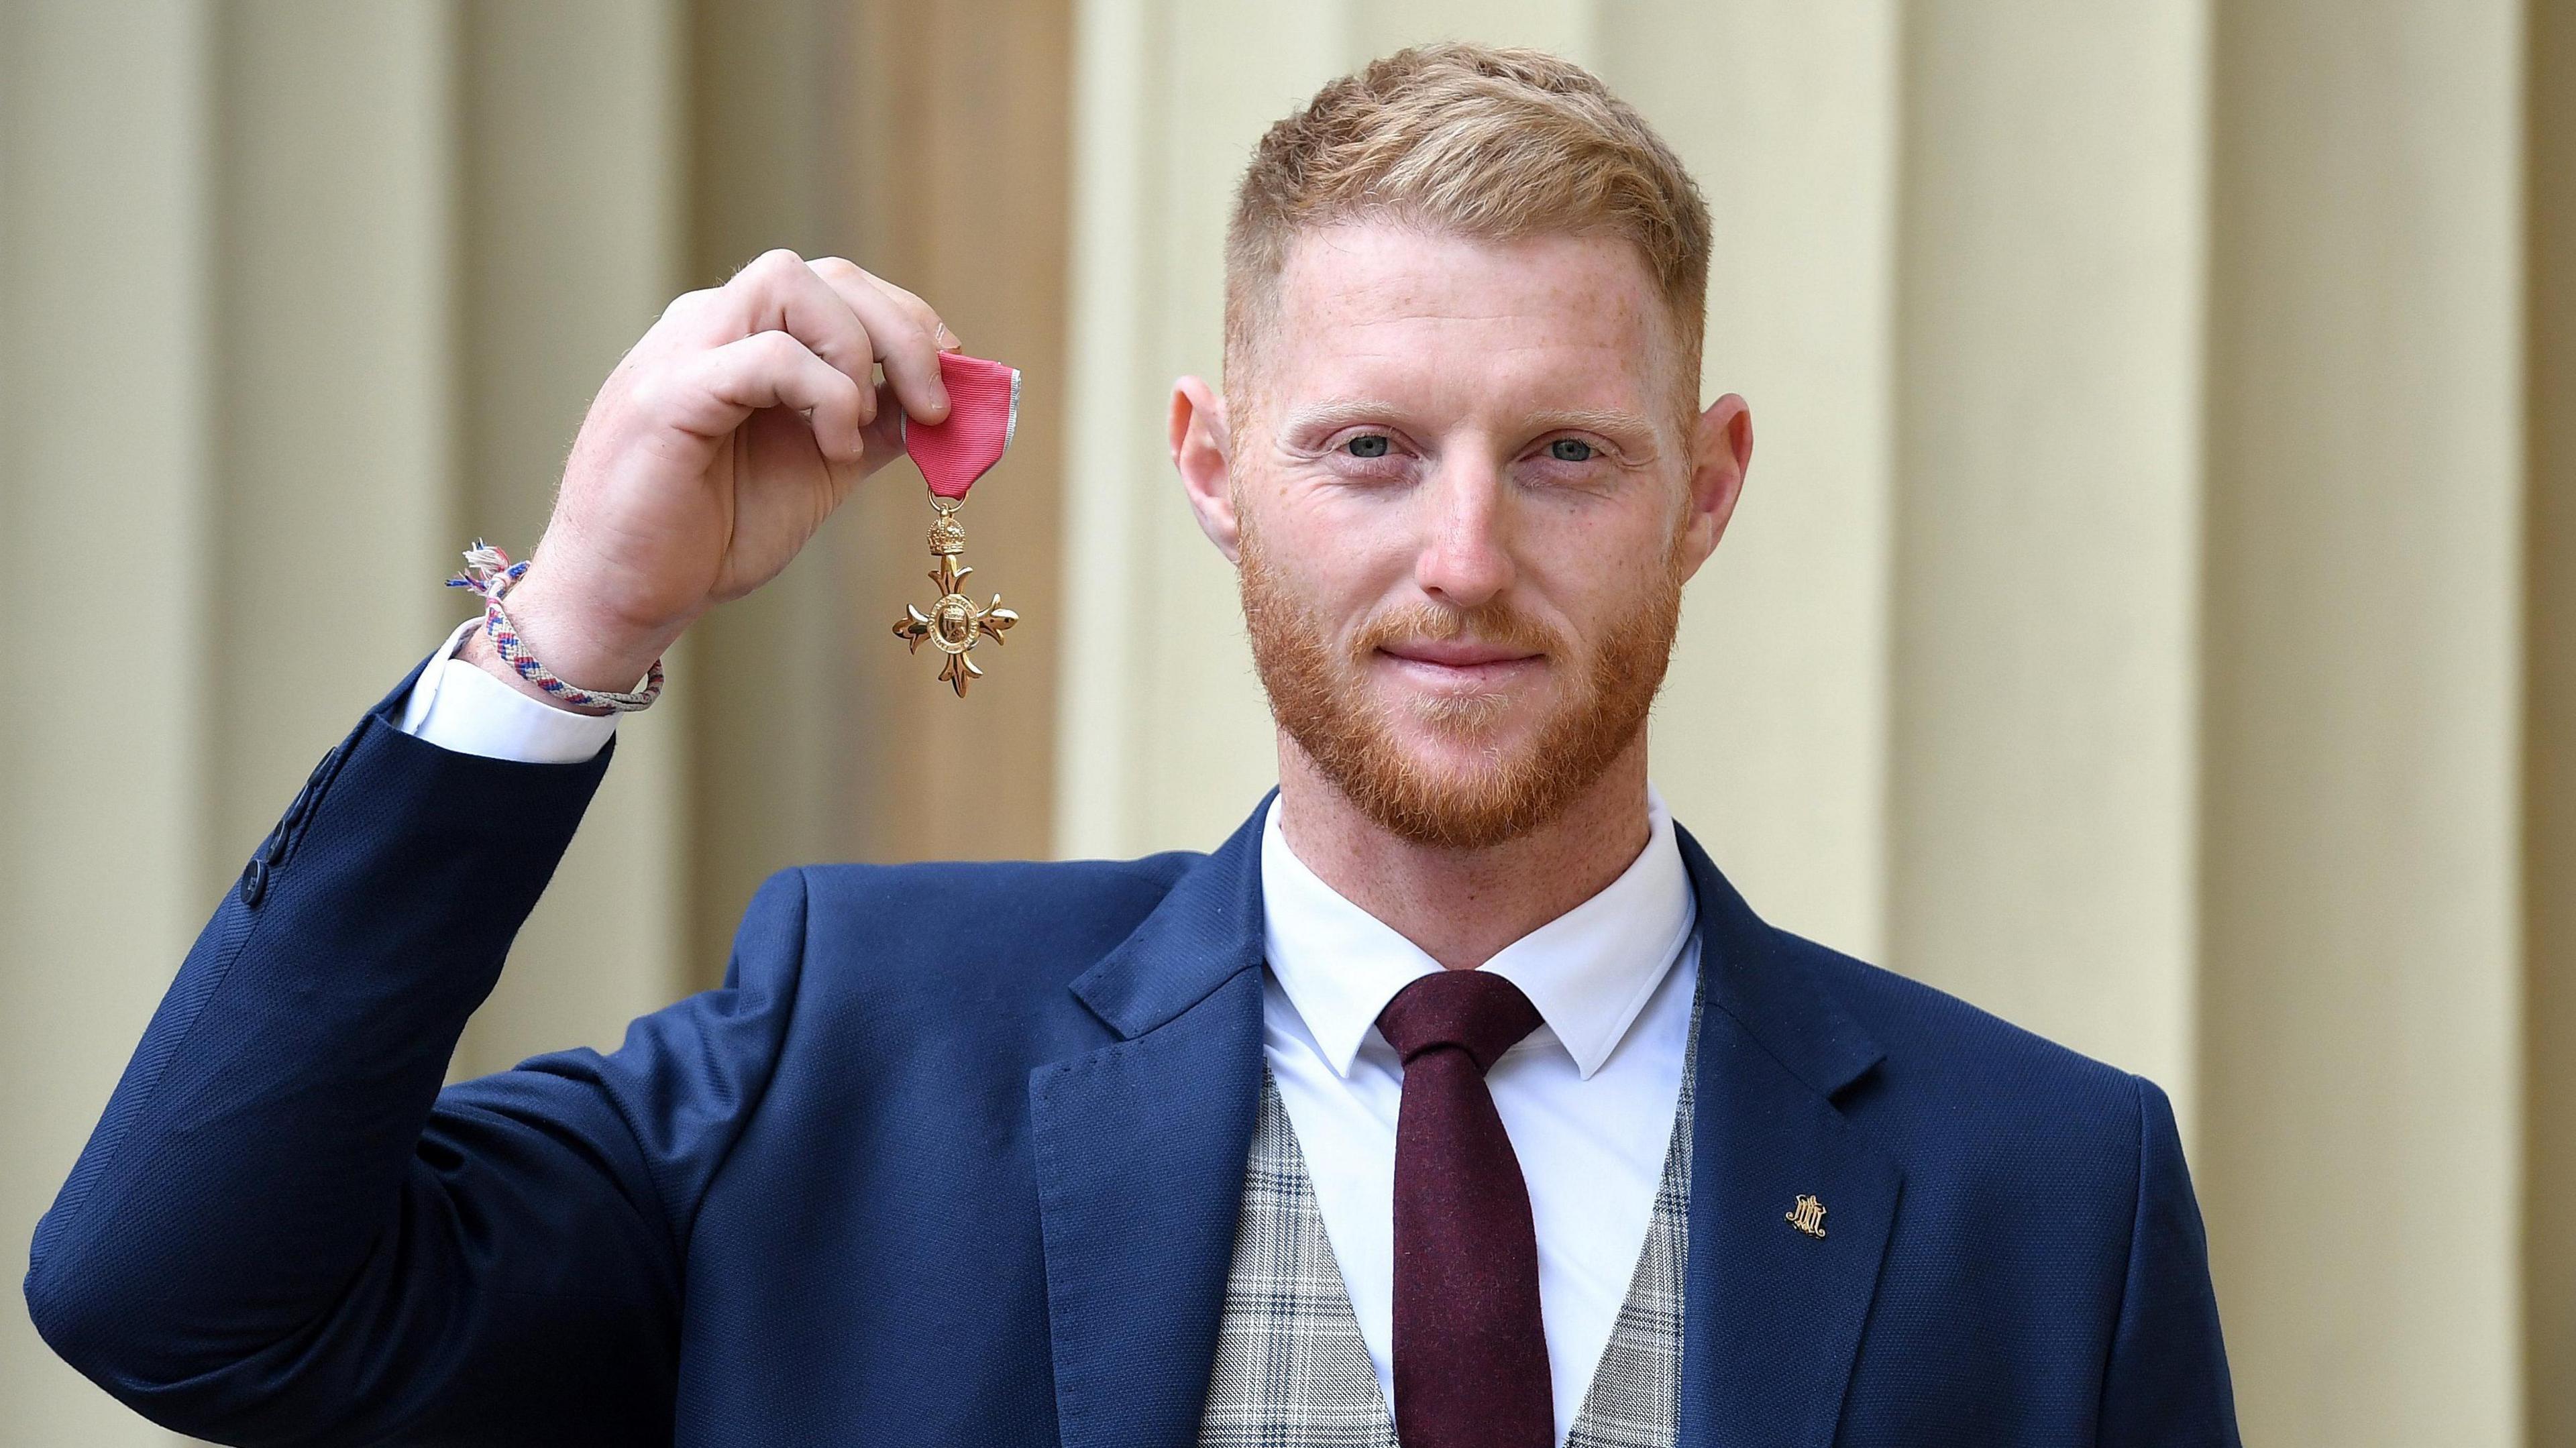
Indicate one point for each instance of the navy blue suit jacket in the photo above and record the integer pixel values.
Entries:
(953, 1157)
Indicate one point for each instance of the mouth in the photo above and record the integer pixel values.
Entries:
(1464, 665)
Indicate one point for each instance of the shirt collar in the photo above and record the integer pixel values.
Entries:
(1589, 971)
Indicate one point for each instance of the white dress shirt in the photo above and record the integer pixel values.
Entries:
(1588, 1098)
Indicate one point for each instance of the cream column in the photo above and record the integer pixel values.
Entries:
(1770, 741)
(1165, 740)
(771, 699)
(333, 390)
(2046, 564)
(1571, 28)
(440, 226)
(105, 873)
(571, 129)
(2362, 730)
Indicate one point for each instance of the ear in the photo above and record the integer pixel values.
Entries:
(1721, 450)
(1199, 449)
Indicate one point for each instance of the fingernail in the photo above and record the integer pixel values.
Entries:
(946, 339)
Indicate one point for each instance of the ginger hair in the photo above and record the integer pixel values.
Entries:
(1472, 140)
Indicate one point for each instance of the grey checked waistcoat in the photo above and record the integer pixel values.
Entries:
(1292, 1370)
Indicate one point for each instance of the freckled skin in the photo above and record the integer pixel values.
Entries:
(1431, 417)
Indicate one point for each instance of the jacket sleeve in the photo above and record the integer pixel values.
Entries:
(2167, 1384)
(283, 1231)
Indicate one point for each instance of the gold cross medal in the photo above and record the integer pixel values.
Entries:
(983, 413)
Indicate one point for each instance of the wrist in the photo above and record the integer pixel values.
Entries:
(578, 646)
(479, 651)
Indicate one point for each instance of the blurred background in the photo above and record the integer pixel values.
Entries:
(2150, 615)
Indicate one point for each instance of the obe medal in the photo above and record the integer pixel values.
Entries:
(983, 412)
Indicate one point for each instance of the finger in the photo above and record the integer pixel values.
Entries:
(779, 292)
(946, 339)
(773, 369)
(906, 332)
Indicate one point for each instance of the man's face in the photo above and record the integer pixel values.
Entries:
(1464, 501)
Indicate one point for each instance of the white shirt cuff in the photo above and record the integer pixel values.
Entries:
(459, 707)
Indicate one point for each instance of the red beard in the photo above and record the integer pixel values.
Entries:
(1319, 698)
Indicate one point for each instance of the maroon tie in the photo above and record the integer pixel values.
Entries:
(1470, 1354)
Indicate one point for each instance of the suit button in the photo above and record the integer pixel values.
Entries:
(254, 881)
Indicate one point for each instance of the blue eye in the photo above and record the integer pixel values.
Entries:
(1367, 445)
(1570, 450)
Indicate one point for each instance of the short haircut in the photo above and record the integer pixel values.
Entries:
(1472, 140)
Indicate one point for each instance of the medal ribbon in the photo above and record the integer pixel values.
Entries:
(983, 412)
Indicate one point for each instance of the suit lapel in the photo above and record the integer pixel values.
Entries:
(1772, 1315)
(1140, 1151)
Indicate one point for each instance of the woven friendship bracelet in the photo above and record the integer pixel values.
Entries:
(490, 574)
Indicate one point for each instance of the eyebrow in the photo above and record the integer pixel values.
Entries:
(1329, 416)
(1626, 426)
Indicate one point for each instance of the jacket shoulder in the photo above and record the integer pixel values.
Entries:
(1956, 1073)
(942, 924)
(1029, 883)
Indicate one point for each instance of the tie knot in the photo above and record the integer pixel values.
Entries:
(1482, 1015)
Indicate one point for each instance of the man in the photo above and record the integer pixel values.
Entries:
(1456, 1096)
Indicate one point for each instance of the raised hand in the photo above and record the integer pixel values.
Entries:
(713, 452)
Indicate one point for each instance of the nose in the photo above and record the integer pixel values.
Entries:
(1466, 559)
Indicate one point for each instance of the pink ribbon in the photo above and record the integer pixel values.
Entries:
(983, 412)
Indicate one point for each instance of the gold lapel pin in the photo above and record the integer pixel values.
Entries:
(1808, 1216)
